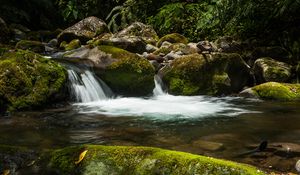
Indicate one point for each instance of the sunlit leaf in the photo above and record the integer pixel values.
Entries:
(81, 157)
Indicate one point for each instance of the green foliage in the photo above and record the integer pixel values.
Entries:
(194, 20)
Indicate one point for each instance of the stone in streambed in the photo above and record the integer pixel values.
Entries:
(139, 160)
(268, 69)
(211, 74)
(172, 38)
(27, 80)
(274, 91)
(124, 72)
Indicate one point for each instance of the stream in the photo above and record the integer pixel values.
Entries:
(220, 127)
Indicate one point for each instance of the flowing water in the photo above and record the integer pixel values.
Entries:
(219, 127)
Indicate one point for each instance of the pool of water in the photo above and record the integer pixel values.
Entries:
(218, 127)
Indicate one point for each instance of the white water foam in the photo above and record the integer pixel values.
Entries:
(85, 87)
(161, 105)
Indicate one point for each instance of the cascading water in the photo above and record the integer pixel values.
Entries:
(158, 90)
(86, 88)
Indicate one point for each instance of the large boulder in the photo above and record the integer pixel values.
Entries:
(267, 69)
(133, 38)
(133, 44)
(211, 74)
(274, 91)
(34, 46)
(145, 32)
(96, 159)
(27, 80)
(124, 72)
(84, 30)
(4, 32)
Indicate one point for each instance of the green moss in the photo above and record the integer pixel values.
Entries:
(129, 74)
(27, 80)
(35, 46)
(141, 160)
(173, 47)
(172, 38)
(74, 44)
(277, 91)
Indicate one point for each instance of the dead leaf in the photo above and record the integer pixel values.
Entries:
(81, 157)
(6, 172)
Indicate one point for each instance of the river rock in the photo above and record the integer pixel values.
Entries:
(268, 69)
(151, 48)
(167, 48)
(124, 72)
(274, 91)
(228, 44)
(74, 44)
(84, 30)
(172, 38)
(34, 46)
(143, 31)
(130, 43)
(4, 32)
(27, 80)
(207, 145)
(206, 46)
(138, 160)
(211, 74)
(191, 48)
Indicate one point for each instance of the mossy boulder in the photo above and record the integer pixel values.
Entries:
(34, 46)
(84, 30)
(145, 32)
(210, 74)
(172, 38)
(165, 49)
(124, 72)
(139, 160)
(133, 44)
(274, 91)
(129, 74)
(267, 69)
(27, 80)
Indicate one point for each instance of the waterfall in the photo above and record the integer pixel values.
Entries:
(86, 88)
(158, 90)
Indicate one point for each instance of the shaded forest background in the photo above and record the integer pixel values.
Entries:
(263, 22)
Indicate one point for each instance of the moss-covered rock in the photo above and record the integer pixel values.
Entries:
(268, 69)
(74, 44)
(145, 32)
(130, 43)
(172, 38)
(274, 91)
(129, 74)
(84, 30)
(35, 46)
(211, 74)
(164, 50)
(27, 80)
(139, 160)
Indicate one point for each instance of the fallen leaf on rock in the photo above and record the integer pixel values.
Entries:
(81, 157)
